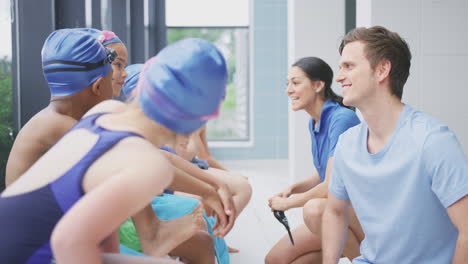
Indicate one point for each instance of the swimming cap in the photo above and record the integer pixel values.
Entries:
(131, 81)
(109, 37)
(182, 87)
(73, 60)
(105, 37)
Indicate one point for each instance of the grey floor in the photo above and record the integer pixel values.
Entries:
(256, 230)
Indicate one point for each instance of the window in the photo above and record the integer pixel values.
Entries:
(224, 23)
(6, 92)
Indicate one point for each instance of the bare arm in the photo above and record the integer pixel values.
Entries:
(33, 141)
(334, 229)
(192, 170)
(213, 163)
(203, 151)
(306, 184)
(221, 188)
(458, 213)
(146, 225)
(319, 191)
(102, 209)
(217, 199)
(111, 244)
(190, 179)
(146, 222)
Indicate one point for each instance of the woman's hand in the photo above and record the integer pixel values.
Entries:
(278, 203)
(286, 193)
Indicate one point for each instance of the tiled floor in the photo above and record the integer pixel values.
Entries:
(256, 230)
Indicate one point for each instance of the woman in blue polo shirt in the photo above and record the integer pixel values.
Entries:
(309, 89)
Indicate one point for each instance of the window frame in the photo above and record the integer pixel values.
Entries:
(249, 142)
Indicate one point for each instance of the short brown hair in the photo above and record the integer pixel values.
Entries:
(382, 44)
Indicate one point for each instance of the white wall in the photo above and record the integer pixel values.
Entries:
(436, 31)
(315, 28)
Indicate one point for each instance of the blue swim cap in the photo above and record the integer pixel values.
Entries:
(73, 60)
(131, 81)
(109, 37)
(182, 87)
(105, 37)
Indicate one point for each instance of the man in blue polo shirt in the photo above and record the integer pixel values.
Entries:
(403, 171)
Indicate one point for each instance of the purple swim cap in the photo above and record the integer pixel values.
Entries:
(182, 87)
(73, 60)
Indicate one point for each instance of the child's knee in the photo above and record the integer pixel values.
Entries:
(246, 188)
(242, 187)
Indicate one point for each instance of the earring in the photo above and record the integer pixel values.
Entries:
(318, 91)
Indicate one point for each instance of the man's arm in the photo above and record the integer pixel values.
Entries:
(334, 229)
(447, 167)
(458, 213)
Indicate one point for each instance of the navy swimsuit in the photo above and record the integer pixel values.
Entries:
(27, 220)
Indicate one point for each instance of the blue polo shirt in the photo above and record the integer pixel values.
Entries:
(400, 194)
(334, 120)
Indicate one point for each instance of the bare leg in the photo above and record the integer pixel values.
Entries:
(284, 252)
(199, 249)
(158, 237)
(355, 226)
(110, 258)
(230, 249)
(313, 211)
(309, 258)
(233, 250)
(351, 249)
(240, 189)
(354, 238)
(188, 195)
